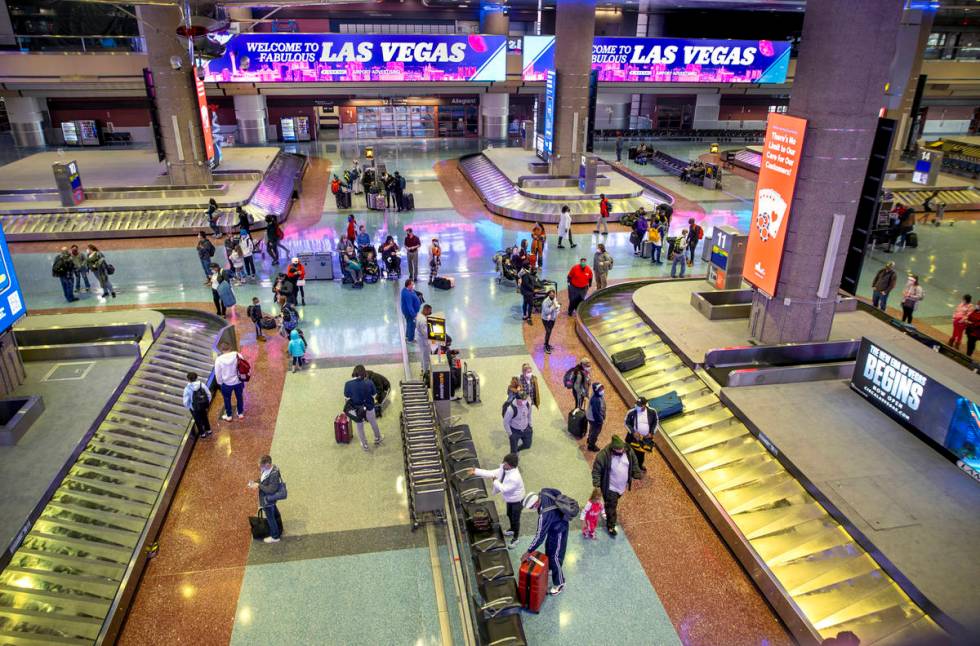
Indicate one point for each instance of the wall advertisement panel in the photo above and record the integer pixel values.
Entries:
(205, 113)
(549, 115)
(11, 299)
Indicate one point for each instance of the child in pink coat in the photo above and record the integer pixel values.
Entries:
(591, 513)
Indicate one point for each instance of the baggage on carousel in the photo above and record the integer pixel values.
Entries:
(628, 359)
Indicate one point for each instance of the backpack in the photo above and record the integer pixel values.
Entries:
(567, 506)
(199, 399)
(61, 267)
(700, 231)
(508, 403)
(279, 233)
(244, 369)
(569, 378)
(402, 183)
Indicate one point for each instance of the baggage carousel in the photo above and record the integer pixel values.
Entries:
(70, 573)
(817, 577)
(272, 195)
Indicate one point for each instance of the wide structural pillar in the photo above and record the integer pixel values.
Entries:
(176, 95)
(494, 109)
(252, 117)
(913, 34)
(574, 30)
(845, 53)
(26, 117)
(707, 108)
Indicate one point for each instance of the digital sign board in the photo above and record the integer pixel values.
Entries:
(914, 399)
(11, 299)
(549, 115)
(669, 60)
(336, 58)
(202, 106)
(773, 197)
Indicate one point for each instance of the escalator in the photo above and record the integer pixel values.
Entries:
(817, 577)
(68, 581)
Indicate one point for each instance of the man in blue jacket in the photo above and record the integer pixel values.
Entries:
(411, 304)
(552, 531)
(361, 394)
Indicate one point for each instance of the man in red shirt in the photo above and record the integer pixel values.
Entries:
(296, 273)
(579, 282)
(412, 245)
(603, 215)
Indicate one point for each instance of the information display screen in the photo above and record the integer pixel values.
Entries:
(911, 397)
(75, 180)
(549, 115)
(11, 299)
(669, 60)
(202, 106)
(336, 58)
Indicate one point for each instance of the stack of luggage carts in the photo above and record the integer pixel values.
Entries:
(424, 469)
(497, 608)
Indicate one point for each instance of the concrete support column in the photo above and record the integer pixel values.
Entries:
(252, 118)
(26, 120)
(840, 99)
(494, 21)
(494, 109)
(574, 25)
(707, 107)
(180, 119)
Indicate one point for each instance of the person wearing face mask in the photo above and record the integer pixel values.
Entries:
(517, 423)
(529, 386)
(613, 472)
(602, 262)
(579, 282)
(910, 298)
(596, 415)
(641, 423)
(271, 490)
(507, 481)
(549, 312)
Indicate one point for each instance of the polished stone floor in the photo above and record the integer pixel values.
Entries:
(349, 570)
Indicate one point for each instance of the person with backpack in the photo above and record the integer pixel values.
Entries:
(517, 423)
(361, 394)
(289, 317)
(226, 294)
(578, 379)
(254, 313)
(507, 481)
(399, 186)
(528, 385)
(197, 399)
(555, 511)
(679, 250)
(205, 252)
(231, 371)
(62, 269)
(549, 313)
(213, 218)
(613, 472)
(579, 282)
(694, 235)
(272, 489)
(601, 221)
(102, 269)
(656, 234)
(596, 415)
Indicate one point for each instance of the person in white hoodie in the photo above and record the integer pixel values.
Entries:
(565, 227)
(226, 374)
(507, 481)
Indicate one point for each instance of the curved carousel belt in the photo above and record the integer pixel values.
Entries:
(817, 577)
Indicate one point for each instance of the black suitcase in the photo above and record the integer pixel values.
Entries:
(457, 433)
(492, 565)
(441, 282)
(630, 359)
(503, 630)
(912, 240)
(408, 201)
(470, 489)
(487, 540)
(577, 423)
(499, 598)
(469, 508)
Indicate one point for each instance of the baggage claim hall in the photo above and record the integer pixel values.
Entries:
(443, 322)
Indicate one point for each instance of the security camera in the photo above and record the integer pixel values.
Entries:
(176, 62)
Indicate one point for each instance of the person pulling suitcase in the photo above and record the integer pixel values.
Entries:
(555, 510)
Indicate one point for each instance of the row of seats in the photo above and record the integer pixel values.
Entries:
(683, 133)
(672, 165)
(963, 165)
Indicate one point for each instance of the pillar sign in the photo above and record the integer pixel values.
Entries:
(69, 183)
(202, 105)
(774, 195)
(927, 165)
(588, 170)
(549, 115)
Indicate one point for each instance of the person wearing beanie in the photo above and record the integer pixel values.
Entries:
(552, 531)
(507, 481)
(596, 414)
(613, 472)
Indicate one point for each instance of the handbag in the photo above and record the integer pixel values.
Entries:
(244, 369)
(280, 494)
(259, 525)
(640, 443)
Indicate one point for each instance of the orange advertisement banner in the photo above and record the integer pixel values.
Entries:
(202, 104)
(773, 198)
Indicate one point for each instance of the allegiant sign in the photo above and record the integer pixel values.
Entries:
(669, 60)
(332, 58)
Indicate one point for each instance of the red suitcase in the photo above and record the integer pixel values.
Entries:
(341, 429)
(532, 581)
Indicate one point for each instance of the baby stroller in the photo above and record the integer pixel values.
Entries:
(393, 266)
(505, 266)
(368, 257)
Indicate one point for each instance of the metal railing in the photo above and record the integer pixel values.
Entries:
(85, 44)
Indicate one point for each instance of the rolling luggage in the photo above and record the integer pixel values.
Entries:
(487, 541)
(577, 423)
(341, 429)
(499, 598)
(471, 387)
(532, 581)
(376, 201)
(408, 201)
(645, 249)
(492, 565)
(667, 405)
(505, 630)
(443, 282)
(912, 240)
(629, 359)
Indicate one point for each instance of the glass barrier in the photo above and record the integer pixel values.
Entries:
(50, 43)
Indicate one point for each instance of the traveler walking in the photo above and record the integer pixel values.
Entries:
(205, 252)
(79, 263)
(601, 221)
(102, 269)
(641, 423)
(680, 254)
(271, 489)
(579, 282)
(695, 233)
(435, 260)
(360, 393)
(591, 513)
(213, 218)
(619, 149)
(910, 298)
(882, 285)
(961, 316)
(549, 312)
(247, 245)
(525, 283)
(412, 244)
(613, 472)
(273, 232)
(596, 415)
(231, 372)
(411, 304)
(254, 313)
(972, 331)
(507, 481)
(528, 384)
(400, 185)
(552, 531)
(62, 270)
(565, 227)
(581, 381)
(517, 423)
(602, 262)
(197, 399)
